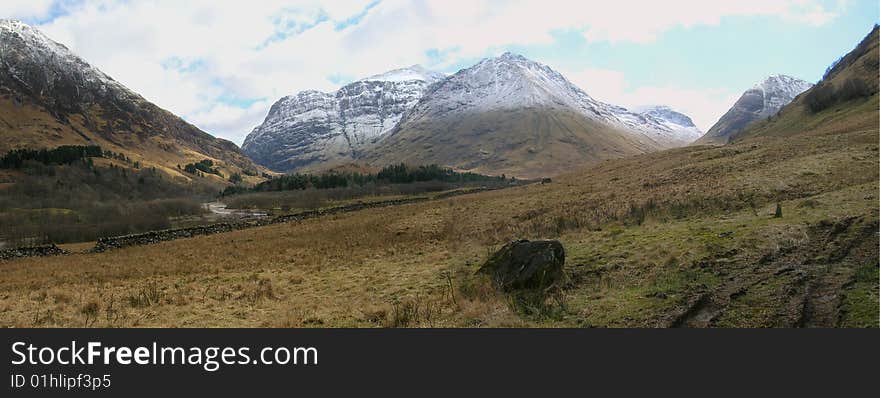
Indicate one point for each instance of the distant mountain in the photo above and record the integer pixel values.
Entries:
(763, 100)
(51, 97)
(313, 128)
(679, 127)
(845, 100)
(509, 114)
(504, 114)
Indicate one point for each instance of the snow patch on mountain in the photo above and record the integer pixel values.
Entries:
(32, 47)
(415, 72)
(779, 90)
(678, 124)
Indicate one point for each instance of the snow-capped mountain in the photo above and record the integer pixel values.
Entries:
(69, 101)
(312, 127)
(763, 100)
(679, 125)
(512, 81)
(511, 115)
(321, 129)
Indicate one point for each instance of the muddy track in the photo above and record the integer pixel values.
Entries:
(805, 280)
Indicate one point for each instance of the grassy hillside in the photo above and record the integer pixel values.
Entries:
(525, 142)
(24, 124)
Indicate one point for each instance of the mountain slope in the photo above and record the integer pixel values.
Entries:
(845, 99)
(513, 115)
(51, 97)
(313, 128)
(528, 142)
(763, 100)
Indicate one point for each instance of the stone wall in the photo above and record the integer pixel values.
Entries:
(31, 251)
(147, 238)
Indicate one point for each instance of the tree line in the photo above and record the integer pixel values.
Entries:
(65, 154)
(394, 174)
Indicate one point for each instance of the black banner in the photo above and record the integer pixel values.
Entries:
(415, 362)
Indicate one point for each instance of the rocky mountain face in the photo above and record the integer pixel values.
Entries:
(372, 119)
(315, 128)
(50, 97)
(763, 100)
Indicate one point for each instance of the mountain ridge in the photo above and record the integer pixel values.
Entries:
(51, 96)
(509, 81)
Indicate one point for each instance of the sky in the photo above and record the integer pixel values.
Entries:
(221, 64)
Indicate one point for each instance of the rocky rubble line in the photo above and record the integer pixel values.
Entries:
(146, 238)
(32, 251)
(151, 237)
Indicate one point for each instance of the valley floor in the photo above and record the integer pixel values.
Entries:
(686, 237)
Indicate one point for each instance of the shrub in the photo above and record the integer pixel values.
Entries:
(205, 166)
(853, 88)
(820, 97)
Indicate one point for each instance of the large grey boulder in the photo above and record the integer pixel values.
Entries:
(525, 264)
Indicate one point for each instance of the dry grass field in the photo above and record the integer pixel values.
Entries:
(685, 237)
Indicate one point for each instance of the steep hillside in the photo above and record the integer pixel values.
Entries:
(763, 100)
(529, 142)
(51, 97)
(845, 99)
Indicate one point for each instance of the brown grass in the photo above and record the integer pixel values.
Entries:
(645, 237)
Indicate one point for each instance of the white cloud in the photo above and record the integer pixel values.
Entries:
(198, 57)
(703, 105)
(25, 8)
(239, 121)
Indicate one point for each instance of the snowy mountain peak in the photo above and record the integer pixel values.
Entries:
(667, 113)
(512, 81)
(414, 72)
(778, 91)
(514, 56)
(783, 84)
(676, 122)
(11, 29)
